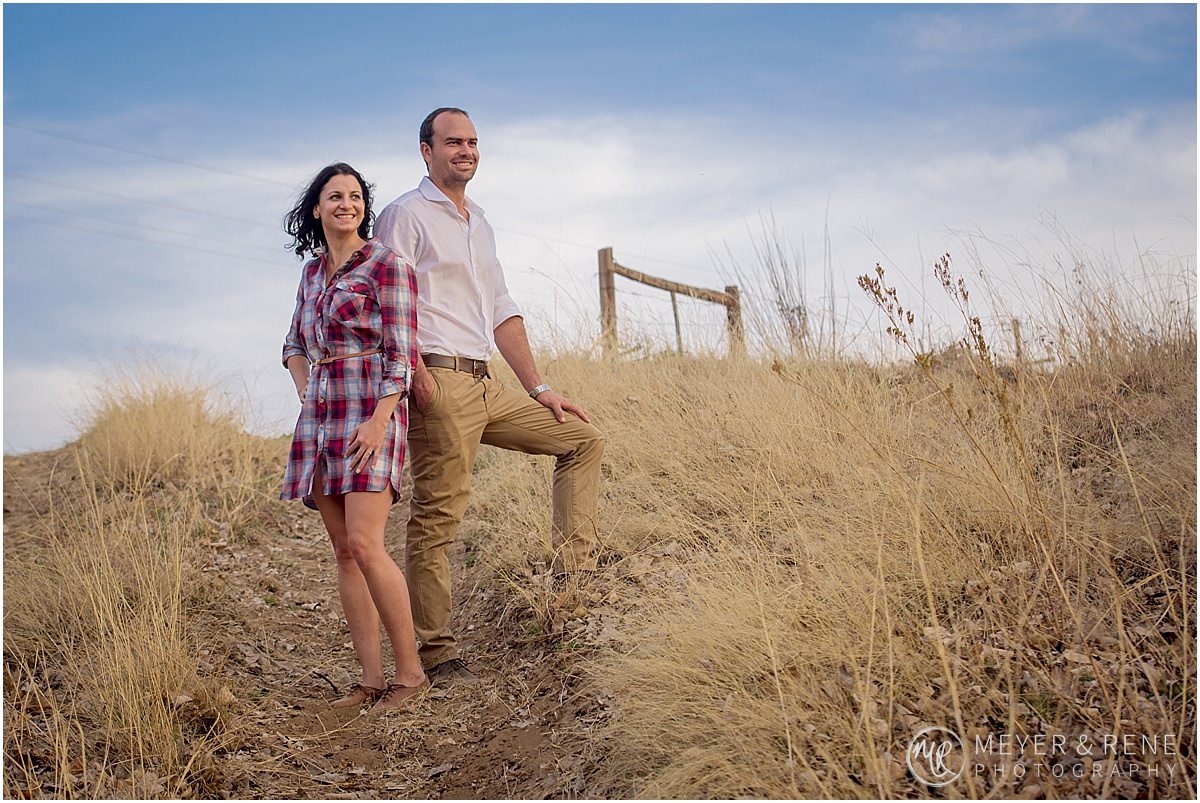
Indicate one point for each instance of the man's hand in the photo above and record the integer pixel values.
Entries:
(558, 404)
(423, 388)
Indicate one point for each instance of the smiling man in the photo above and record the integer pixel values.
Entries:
(464, 314)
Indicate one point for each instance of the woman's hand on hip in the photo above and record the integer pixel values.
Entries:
(365, 443)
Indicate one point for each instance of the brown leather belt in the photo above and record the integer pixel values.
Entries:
(337, 357)
(478, 368)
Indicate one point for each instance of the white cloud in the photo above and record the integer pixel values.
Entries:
(933, 38)
(666, 193)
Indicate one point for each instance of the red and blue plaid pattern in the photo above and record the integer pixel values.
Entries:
(369, 304)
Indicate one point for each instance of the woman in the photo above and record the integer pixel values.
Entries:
(354, 325)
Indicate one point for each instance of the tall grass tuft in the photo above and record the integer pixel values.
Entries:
(817, 558)
(102, 619)
(153, 431)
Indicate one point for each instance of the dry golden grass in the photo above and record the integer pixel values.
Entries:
(806, 562)
(102, 605)
(153, 429)
(862, 552)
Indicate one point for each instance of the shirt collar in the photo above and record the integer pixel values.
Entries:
(321, 253)
(365, 248)
(432, 193)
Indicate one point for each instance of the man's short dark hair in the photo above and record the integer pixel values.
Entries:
(427, 123)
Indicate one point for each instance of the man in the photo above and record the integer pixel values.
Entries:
(464, 313)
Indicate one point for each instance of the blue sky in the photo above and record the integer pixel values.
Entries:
(1068, 61)
(664, 131)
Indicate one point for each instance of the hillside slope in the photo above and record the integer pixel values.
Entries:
(804, 565)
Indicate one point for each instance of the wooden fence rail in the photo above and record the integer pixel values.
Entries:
(609, 268)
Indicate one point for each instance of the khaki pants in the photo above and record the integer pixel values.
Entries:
(464, 412)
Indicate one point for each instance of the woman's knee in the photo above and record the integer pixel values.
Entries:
(365, 548)
(341, 547)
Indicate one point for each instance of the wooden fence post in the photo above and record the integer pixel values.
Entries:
(1020, 344)
(731, 299)
(678, 331)
(608, 302)
(733, 318)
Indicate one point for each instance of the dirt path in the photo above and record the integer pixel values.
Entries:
(273, 633)
(270, 629)
(523, 732)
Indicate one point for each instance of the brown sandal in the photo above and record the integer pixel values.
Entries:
(397, 696)
(358, 695)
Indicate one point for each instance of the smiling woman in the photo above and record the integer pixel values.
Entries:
(304, 222)
(351, 350)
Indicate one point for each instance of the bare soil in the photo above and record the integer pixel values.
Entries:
(268, 627)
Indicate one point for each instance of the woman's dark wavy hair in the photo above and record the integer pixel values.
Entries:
(305, 230)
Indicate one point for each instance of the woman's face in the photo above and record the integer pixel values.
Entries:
(340, 207)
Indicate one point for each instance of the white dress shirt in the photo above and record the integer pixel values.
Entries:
(461, 295)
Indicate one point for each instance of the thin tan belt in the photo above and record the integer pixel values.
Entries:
(337, 357)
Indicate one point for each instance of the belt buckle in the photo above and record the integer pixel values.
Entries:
(479, 369)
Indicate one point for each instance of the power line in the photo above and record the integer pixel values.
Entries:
(141, 239)
(143, 201)
(140, 226)
(144, 155)
(593, 249)
(543, 240)
(248, 177)
(661, 261)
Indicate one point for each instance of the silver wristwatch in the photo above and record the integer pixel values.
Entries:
(540, 389)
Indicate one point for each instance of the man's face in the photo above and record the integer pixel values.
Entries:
(454, 155)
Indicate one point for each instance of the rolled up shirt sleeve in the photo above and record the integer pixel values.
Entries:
(504, 307)
(396, 286)
(293, 344)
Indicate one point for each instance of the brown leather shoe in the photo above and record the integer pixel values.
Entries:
(358, 695)
(451, 672)
(397, 696)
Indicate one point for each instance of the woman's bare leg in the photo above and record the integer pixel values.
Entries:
(357, 605)
(366, 516)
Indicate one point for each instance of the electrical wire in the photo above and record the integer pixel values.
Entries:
(70, 227)
(145, 155)
(63, 214)
(248, 177)
(550, 244)
(158, 204)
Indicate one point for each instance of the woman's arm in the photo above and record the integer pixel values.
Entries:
(294, 353)
(297, 365)
(396, 290)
